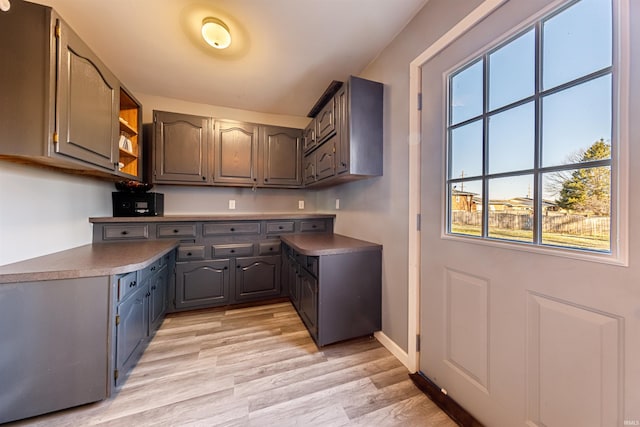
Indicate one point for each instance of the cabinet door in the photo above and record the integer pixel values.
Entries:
(257, 277)
(157, 298)
(325, 160)
(236, 153)
(181, 146)
(202, 283)
(342, 129)
(88, 103)
(131, 330)
(309, 136)
(281, 157)
(294, 281)
(309, 169)
(309, 301)
(326, 121)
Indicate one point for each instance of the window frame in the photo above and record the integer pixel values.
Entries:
(618, 162)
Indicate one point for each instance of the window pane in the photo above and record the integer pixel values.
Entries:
(466, 151)
(512, 139)
(572, 120)
(576, 42)
(466, 93)
(576, 208)
(465, 208)
(511, 208)
(512, 71)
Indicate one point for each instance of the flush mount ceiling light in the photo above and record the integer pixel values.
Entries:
(216, 33)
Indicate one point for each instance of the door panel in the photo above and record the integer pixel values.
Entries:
(520, 338)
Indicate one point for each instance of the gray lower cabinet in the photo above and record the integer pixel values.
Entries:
(202, 283)
(338, 296)
(53, 336)
(140, 306)
(257, 277)
(308, 302)
(132, 326)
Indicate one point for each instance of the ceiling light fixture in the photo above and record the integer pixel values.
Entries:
(216, 33)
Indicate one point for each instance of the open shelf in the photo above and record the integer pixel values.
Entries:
(130, 121)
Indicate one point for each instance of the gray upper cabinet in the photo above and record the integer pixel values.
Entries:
(181, 148)
(356, 137)
(326, 121)
(235, 153)
(87, 103)
(309, 136)
(60, 104)
(280, 157)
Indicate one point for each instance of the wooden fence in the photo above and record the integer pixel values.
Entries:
(576, 225)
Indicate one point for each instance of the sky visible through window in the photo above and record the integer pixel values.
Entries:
(576, 42)
(575, 100)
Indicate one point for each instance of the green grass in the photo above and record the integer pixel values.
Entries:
(598, 243)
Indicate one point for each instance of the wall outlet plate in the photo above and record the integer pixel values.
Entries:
(337, 203)
(232, 204)
(300, 204)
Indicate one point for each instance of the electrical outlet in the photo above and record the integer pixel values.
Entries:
(232, 204)
(300, 204)
(337, 203)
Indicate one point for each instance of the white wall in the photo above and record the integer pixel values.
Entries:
(44, 211)
(377, 209)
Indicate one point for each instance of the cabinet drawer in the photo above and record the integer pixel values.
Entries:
(150, 269)
(235, 249)
(181, 230)
(127, 284)
(326, 121)
(231, 228)
(187, 253)
(269, 248)
(118, 232)
(280, 227)
(313, 225)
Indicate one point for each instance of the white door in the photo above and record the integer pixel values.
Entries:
(543, 337)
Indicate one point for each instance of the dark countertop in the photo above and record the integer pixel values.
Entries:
(327, 244)
(212, 217)
(97, 259)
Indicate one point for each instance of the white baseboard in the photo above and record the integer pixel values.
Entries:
(394, 348)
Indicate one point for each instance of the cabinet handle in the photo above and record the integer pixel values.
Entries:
(270, 249)
(204, 178)
(233, 251)
(189, 254)
(343, 164)
(153, 288)
(176, 231)
(237, 266)
(232, 229)
(124, 232)
(280, 227)
(266, 180)
(132, 284)
(153, 268)
(226, 268)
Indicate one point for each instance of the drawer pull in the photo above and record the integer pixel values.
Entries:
(124, 232)
(176, 231)
(314, 226)
(232, 229)
(132, 284)
(226, 268)
(280, 227)
(153, 268)
(233, 251)
(237, 266)
(189, 254)
(271, 248)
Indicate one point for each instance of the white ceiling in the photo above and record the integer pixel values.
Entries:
(283, 55)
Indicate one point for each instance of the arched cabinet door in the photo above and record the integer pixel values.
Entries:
(257, 277)
(182, 145)
(202, 283)
(87, 102)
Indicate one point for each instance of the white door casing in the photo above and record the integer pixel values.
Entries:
(518, 337)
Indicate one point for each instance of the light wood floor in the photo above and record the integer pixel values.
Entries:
(257, 367)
